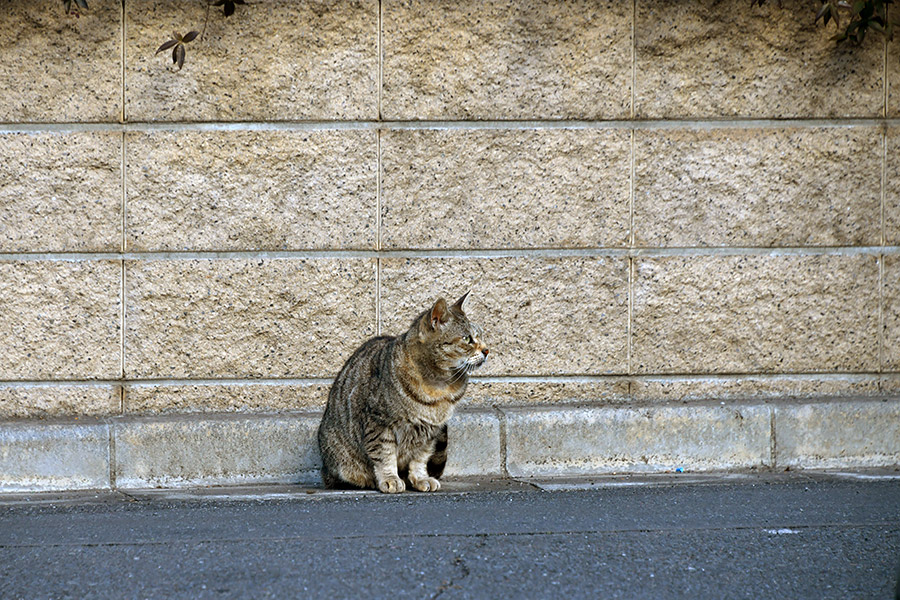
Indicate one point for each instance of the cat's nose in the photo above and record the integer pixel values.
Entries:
(485, 351)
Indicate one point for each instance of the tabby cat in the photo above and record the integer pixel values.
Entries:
(386, 417)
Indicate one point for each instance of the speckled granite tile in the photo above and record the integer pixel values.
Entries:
(758, 187)
(60, 320)
(36, 401)
(543, 393)
(58, 68)
(749, 387)
(61, 192)
(502, 59)
(237, 397)
(505, 189)
(251, 190)
(892, 188)
(755, 314)
(891, 312)
(275, 60)
(237, 318)
(893, 73)
(728, 59)
(540, 316)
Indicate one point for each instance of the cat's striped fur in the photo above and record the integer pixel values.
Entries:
(385, 422)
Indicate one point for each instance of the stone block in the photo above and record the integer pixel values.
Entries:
(755, 314)
(540, 316)
(59, 68)
(748, 387)
(891, 313)
(547, 188)
(892, 187)
(890, 384)
(527, 391)
(60, 319)
(237, 397)
(727, 59)
(251, 190)
(179, 452)
(279, 60)
(473, 446)
(53, 456)
(893, 71)
(501, 59)
(580, 441)
(61, 192)
(841, 434)
(758, 187)
(37, 401)
(233, 318)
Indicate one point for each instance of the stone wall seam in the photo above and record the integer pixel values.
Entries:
(652, 124)
(123, 116)
(380, 51)
(633, 59)
(857, 376)
(611, 252)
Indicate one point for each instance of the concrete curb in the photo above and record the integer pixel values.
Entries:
(635, 440)
(216, 450)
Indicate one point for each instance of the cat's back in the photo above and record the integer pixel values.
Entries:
(358, 378)
(367, 363)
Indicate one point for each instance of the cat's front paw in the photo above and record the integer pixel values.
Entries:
(426, 484)
(391, 485)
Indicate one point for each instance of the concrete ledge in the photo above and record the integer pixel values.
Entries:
(475, 446)
(840, 434)
(181, 451)
(220, 450)
(578, 441)
(53, 456)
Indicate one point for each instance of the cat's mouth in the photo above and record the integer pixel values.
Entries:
(469, 365)
(473, 362)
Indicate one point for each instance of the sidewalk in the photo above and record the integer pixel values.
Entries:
(786, 535)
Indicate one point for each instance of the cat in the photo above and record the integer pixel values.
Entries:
(387, 411)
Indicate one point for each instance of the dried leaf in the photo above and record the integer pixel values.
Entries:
(190, 36)
(179, 52)
(166, 46)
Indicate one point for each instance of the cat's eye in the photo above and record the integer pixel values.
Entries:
(470, 340)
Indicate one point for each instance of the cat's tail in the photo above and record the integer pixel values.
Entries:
(438, 460)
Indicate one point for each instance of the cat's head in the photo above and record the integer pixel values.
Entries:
(450, 339)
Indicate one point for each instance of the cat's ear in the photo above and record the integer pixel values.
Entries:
(440, 314)
(461, 301)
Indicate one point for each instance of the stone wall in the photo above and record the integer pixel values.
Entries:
(652, 202)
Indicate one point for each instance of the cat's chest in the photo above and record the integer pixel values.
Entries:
(428, 415)
(414, 435)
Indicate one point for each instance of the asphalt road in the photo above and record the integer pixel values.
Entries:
(760, 537)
